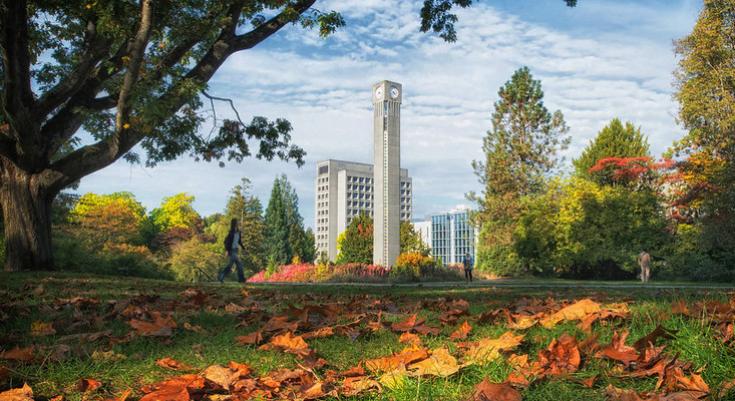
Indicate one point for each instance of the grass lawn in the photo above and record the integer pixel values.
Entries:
(206, 332)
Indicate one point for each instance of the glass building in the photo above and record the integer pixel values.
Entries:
(452, 236)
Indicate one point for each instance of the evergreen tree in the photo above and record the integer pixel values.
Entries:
(247, 209)
(277, 227)
(285, 234)
(355, 243)
(521, 150)
(614, 140)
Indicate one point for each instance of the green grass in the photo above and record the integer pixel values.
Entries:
(695, 342)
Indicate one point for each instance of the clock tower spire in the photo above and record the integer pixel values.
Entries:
(387, 98)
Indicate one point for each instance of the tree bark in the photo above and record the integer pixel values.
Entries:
(26, 204)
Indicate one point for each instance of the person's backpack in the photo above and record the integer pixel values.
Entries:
(228, 241)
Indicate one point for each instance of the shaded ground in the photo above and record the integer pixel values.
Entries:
(121, 360)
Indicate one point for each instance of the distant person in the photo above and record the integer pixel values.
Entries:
(232, 241)
(468, 266)
(644, 260)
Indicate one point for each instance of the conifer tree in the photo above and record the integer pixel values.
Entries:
(614, 140)
(521, 150)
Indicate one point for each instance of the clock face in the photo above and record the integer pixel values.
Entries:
(379, 93)
(394, 92)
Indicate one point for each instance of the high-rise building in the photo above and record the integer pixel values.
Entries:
(452, 235)
(387, 161)
(345, 190)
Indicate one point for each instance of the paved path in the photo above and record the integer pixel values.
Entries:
(521, 284)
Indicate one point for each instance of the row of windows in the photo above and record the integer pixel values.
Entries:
(322, 180)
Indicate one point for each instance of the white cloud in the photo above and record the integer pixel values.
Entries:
(323, 88)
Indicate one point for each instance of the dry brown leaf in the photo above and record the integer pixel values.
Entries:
(220, 375)
(393, 362)
(88, 385)
(24, 393)
(160, 326)
(488, 349)
(618, 351)
(487, 391)
(319, 333)
(408, 324)
(561, 357)
(658, 332)
(19, 354)
(42, 329)
(440, 363)
(410, 338)
(462, 331)
(170, 363)
(289, 343)
(522, 322)
(577, 311)
(352, 386)
(253, 338)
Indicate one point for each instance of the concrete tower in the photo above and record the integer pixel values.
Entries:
(387, 169)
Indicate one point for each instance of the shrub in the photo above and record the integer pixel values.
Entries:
(76, 254)
(411, 266)
(194, 260)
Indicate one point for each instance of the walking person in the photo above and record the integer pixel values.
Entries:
(468, 266)
(232, 242)
(644, 260)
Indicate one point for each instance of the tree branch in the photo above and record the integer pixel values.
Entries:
(94, 51)
(90, 158)
(137, 52)
(268, 28)
(16, 56)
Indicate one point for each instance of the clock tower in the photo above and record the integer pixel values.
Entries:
(386, 172)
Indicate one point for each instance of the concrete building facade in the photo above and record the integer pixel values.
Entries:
(387, 161)
(344, 190)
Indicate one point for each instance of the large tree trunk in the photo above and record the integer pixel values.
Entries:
(26, 203)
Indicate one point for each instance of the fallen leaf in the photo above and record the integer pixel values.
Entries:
(408, 324)
(487, 391)
(289, 343)
(159, 327)
(42, 329)
(88, 385)
(658, 332)
(577, 311)
(24, 393)
(170, 363)
(410, 338)
(618, 351)
(352, 386)
(440, 363)
(319, 333)
(393, 362)
(195, 328)
(522, 322)
(19, 354)
(220, 375)
(394, 379)
(253, 338)
(462, 331)
(561, 357)
(487, 349)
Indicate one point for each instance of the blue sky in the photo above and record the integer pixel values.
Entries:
(600, 60)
